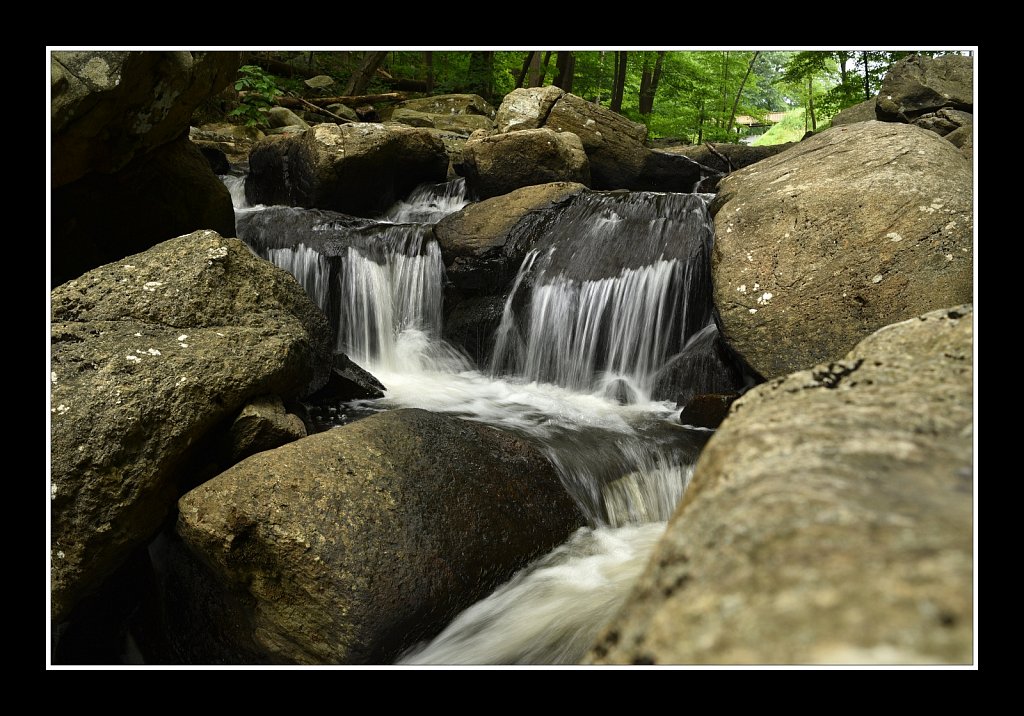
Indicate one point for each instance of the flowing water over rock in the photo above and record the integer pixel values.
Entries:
(603, 300)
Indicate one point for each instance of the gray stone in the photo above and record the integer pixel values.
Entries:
(150, 356)
(349, 546)
(284, 117)
(829, 520)
(263, 424)
(500, 163)
(850, 230)
(359, 169)
(862, 112)
(917, 85)
(343, 110)
(526, 108)
(106, 108)
(319, 82)
(413, 118)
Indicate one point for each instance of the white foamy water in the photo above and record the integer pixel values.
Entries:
(551, 611)
(236, 187)
(574, 361)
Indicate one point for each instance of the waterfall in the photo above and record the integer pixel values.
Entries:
(589, 331)
(609, 294)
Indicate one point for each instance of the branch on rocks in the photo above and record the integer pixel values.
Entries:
(321, 110)
(721, 156)
(353, 102)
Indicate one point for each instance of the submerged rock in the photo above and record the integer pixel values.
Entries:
(349, 546)
(829, 520)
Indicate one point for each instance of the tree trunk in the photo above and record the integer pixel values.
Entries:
(534, 80)
(736, 102)
(544, 69)
(600, 82)
(649, 85)
(725, 88)
(867, 81)
(360, 79)
(620, 81)
(645, 84)
(700, 124)
(810, 101)
(526, 66)
(428, 62)
(481, 74)
(566, 66)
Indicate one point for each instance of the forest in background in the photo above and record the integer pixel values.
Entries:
(695, 96)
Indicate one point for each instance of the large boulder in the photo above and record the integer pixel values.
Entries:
(168, 192)
(500, 163)
(149, 356)
(860, 112)
(526, 108)
(106, 108)
(484, 244)
(829, 520)
(614, 144)
(848, 231)
(918, 85)
(351, 545)
(358, 169)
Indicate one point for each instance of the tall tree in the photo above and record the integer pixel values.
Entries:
(544, 69)
(739, 92)
(566, 66)
(535, 77)
(481, 74)
(428, 63)
(527, 61)
(361, 78)
(649, 83)
(619, 87)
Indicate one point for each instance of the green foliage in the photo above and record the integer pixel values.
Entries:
(260, 94)
(790, 129)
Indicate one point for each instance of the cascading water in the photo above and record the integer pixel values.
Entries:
(607, 296)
